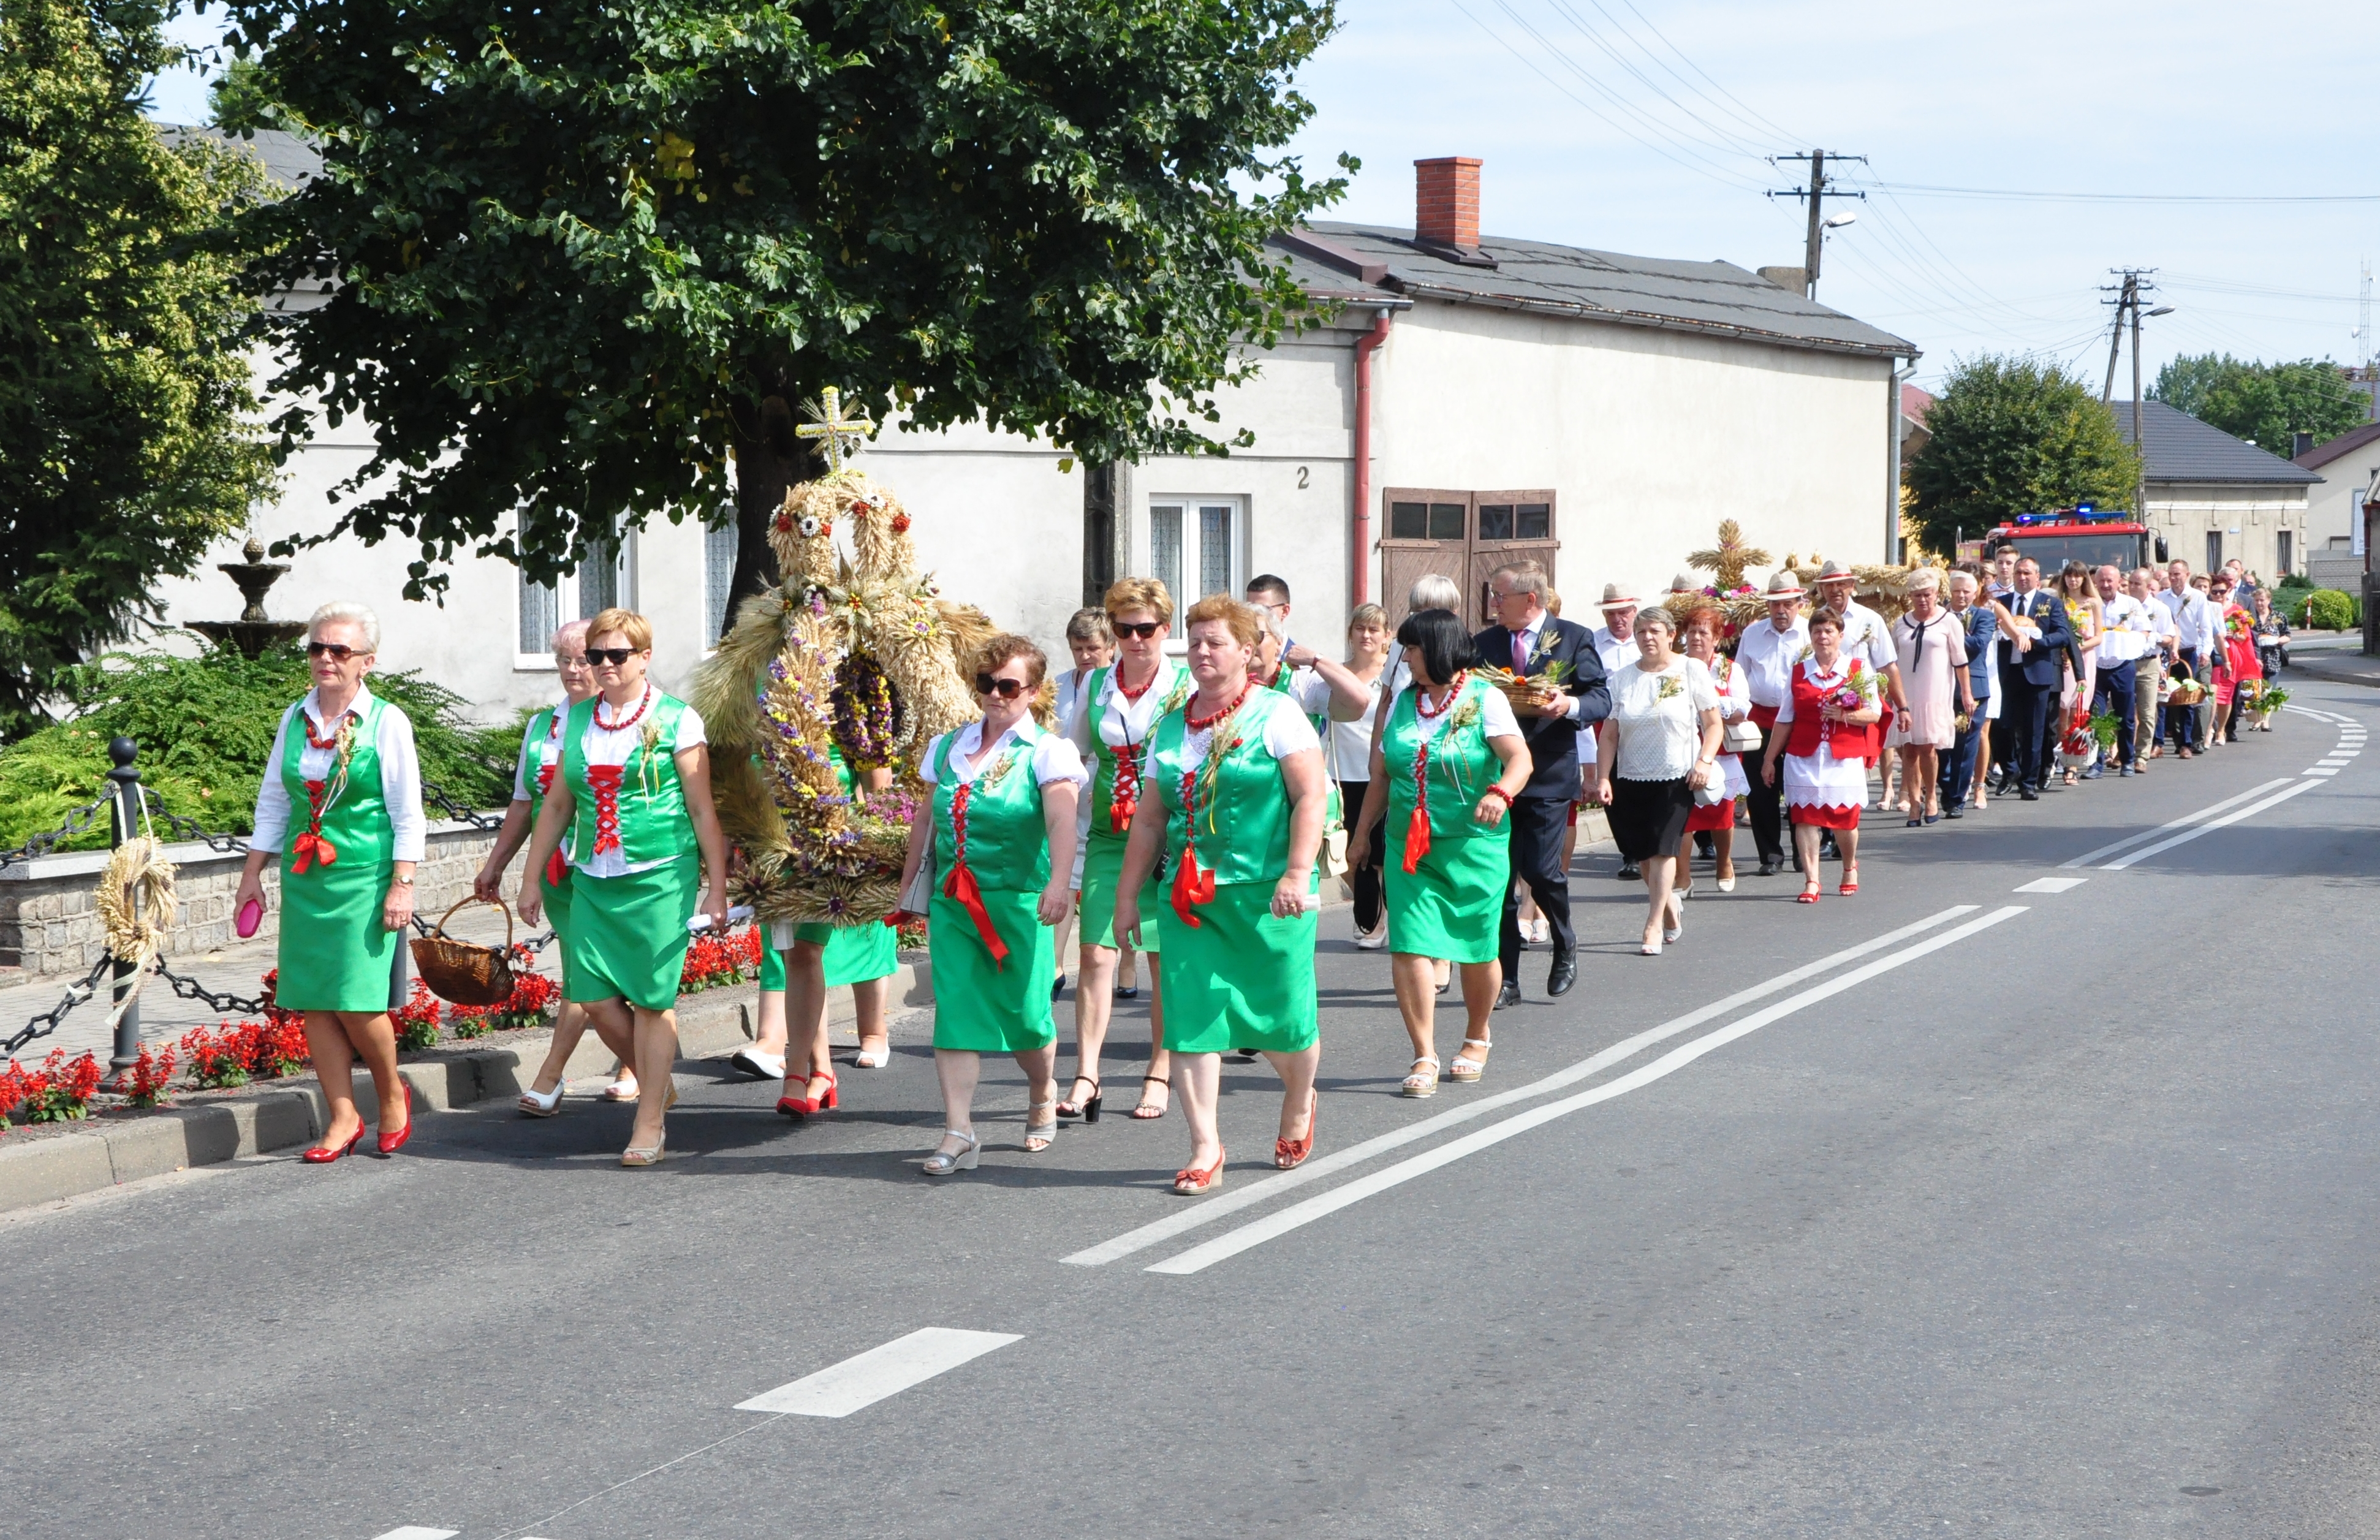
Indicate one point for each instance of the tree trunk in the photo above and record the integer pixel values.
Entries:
(766, 464)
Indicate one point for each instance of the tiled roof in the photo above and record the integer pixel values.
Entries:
(2348, 443)
(1914, 404)
(1718, 298)
(2181, 448)
(288, 160)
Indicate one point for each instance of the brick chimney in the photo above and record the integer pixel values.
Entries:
(1446, 201)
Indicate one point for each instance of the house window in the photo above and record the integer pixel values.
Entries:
(719, 542)
(1196, 546)
(605, 577)
(2213, 551)
(2285, 553)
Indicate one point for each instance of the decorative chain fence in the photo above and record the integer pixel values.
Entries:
(47, 1022)
(80, 821)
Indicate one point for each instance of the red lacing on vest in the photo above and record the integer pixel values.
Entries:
(312, 848)
(604, 782)
(961, 884)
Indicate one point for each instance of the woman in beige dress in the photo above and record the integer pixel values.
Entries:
(1933, 649)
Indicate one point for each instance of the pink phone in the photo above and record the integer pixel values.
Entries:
(251, 915)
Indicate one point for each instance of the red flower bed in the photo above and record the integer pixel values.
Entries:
(417, 1018)
(533, 995)
(218, 1056)
(145, 1083)
(59, 1091)
(713, 960)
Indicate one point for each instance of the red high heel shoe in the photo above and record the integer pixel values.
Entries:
(804, 1106)
(1190, 1181)
(390, 1143)
(1290, 1154)
(1807, 895)
(323, 1155)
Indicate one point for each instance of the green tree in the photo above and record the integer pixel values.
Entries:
(125, 444)
(588, 258)
(2268, 404)
(2015, 435)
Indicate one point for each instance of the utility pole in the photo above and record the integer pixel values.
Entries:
(2126, 299)
(1818, 191)
(2135, 285)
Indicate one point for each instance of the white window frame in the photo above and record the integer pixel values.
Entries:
(1193, 555)
(566, 603)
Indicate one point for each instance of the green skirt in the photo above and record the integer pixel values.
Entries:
(1102, 875)
(854, 953)
(627, 934)
(1240, 978)
(334, 954)
(557, 919)
(1451, 903)
(981, 1006)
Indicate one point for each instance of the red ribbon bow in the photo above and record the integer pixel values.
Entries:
(961, 884)
(605, 780)
(1416, 840)
(1193, 884)
(311, 849)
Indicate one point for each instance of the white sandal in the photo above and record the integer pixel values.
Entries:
(1478, 1067)
(942, 1164)
(1419, 1084)
(545, 1105)
(874, 1059)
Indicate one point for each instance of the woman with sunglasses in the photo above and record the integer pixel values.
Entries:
(632, 806)
(1116, 710)
(1236, 772)
(538, 762)
(999, 831)
(347, 877)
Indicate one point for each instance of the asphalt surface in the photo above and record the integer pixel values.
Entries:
(2053, 1217)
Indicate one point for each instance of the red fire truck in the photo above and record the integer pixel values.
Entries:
(2095, 536)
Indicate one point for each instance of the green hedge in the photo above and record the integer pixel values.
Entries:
(2329, 609)
(205, 725)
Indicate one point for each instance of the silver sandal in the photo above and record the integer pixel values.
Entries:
(942, 1163)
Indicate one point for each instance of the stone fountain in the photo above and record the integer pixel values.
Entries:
(251, 633)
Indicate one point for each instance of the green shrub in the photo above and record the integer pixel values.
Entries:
(205, 725)
(2294, 580)
(2329, 609)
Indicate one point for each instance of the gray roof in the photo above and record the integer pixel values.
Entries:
(1362, 261)
(2181, 448)
(288, 160)
(2348, 443)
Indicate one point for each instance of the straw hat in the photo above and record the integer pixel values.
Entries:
(1683, 584)
(1613, 599)
(1835, 572)
(1783, 584)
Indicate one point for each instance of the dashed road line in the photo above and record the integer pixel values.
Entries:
(2052, 884)
(843, 1388)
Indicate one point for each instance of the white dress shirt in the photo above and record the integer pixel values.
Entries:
(1865, 635)
(2196, 625)
(545, 751)
(2128, 635)
(1765, 657)
(400, 777)
(1617, 652)
(1054, 758)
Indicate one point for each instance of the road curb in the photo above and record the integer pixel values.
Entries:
(99, 1155)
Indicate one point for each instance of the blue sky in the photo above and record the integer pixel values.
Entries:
(1641, 127)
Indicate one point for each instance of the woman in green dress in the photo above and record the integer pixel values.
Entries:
(800, 964)
(1000, 828)
(1119, 706)
(1445, 769)
(340, 806)
(533, 772)
(632, 807)
(1238, 772)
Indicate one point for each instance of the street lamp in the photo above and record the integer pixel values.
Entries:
(1839, 221)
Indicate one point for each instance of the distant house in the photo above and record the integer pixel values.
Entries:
(1469, 400)
(2212, 497)
(2340, 513)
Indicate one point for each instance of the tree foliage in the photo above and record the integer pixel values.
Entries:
(123, 378)
(2015, 435)
(587, 255)
(2268, 404)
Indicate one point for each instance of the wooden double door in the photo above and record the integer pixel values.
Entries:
(1465, 536)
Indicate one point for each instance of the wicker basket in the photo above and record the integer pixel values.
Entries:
(461, 972)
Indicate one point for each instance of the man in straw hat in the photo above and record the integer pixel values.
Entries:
(1866, 634)
(1766, 654)
(1615, 643)
(1532, 643)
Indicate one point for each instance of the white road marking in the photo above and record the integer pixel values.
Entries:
(843, 1388)
(2183, 822)
(2052, 884)
(1192, 1216)
(1272, 1226)
(415, 1532)
(2320, 772)
(2247, 812)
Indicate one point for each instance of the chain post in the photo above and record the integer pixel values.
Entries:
(123, 823)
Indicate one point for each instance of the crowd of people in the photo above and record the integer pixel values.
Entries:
(1190, 809)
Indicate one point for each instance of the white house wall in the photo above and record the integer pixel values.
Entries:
(2249, 517)
(1648, 437)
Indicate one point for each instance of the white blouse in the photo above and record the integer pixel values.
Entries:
(400, 778)
(1654, 737)
(1348, 743)
(612, 747)
(546, 751)
(1054, 758)
(1286, 732)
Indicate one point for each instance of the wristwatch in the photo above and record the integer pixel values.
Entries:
(403, 881)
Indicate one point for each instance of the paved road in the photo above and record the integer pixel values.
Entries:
(1963, 1206)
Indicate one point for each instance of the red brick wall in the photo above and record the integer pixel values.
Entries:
(1446, 199)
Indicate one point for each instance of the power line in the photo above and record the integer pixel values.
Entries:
(1928, 190)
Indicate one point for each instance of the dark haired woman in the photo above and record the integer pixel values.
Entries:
(1001, 825)
(1444, 772)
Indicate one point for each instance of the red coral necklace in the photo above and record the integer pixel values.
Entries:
(644, 703)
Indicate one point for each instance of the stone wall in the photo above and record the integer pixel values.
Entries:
(48, 923)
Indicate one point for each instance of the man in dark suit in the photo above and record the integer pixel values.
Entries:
(2029, 670)
(1534, 644)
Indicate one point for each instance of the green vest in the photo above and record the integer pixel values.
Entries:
(1172, 682)
(355, 818)
(654, 824)
(534, 742)
(1242, 818)
(1461, 766)
(1007, 843)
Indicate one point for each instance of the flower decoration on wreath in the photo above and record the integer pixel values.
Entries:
(853, 651)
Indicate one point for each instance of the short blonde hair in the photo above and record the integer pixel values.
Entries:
(1007, 645)
(1366, 614)
(627, 623)
(345, 612)
(1139, 593)
(1241, 618)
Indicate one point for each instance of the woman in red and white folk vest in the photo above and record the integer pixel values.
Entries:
(632, 805)
(1703, 624)
(1826, 736)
